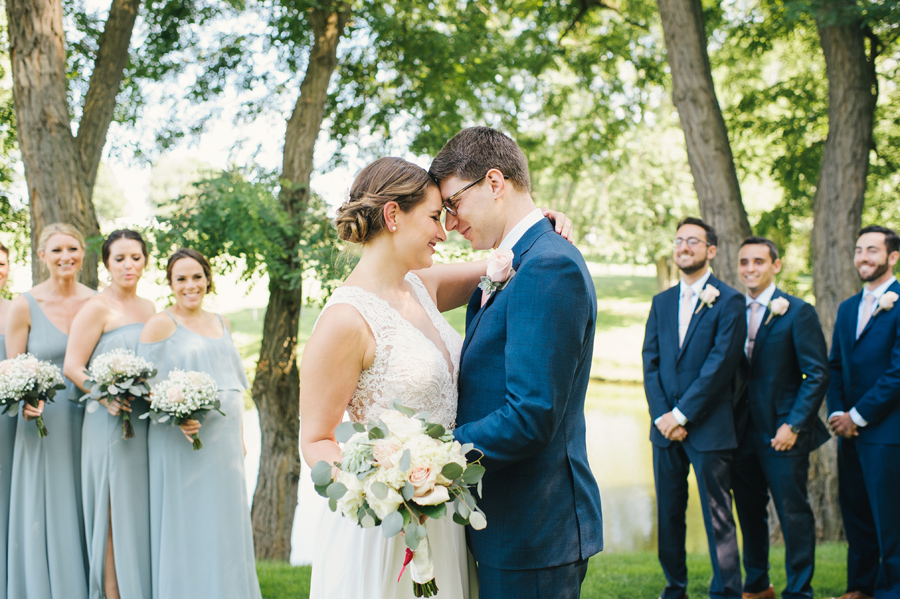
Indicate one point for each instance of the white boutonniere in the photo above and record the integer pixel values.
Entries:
(886, 302)
(499, 272)
(707, 297)
(777, 307)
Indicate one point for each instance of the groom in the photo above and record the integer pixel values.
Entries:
(523, 376)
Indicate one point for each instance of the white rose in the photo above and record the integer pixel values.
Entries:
(384, 450)
(422, 479)
(352, 500)
(886, 301)
(400, 426)
(438, 496)
(382, 507)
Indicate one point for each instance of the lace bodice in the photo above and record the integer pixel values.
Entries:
(408, 366)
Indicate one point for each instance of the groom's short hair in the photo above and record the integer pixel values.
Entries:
(474, 151)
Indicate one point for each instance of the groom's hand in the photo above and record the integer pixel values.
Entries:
(679, 433)
(666, 424)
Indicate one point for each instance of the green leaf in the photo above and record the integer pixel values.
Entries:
(405, 460)
(407, 491)
(452, 471)
(321, 473)
(473, 474)
(344, 431)
(321, 490)
(435, 431)
(434, 511)
(392, 524)
(336, 491)
(332, 505)
(412, 537)
(463, 510)
(376, 433)
(459, 519)
(466, 448)
(380, 490)
(404, 410)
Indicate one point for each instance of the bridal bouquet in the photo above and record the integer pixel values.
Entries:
(395, 472)
(116, 375)
(25, 378)
(183, 396)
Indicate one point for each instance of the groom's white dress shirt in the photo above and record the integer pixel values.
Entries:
(513, 237)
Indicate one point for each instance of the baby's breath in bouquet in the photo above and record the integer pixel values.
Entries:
(183, 396)
(396, 471)
(25, 378)
(115, 376)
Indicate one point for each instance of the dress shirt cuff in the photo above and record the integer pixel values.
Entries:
(857, 419)
(682, 419)
(656, 422)
(835, 413)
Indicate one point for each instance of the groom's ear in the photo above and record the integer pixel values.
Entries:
(498, 182)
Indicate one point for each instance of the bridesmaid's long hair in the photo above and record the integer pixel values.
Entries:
(361, 218)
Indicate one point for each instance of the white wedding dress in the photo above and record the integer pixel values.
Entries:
(351, 562)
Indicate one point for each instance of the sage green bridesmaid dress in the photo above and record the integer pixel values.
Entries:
(47, 555)
(7, 440)
(115, 480)
(201, 540)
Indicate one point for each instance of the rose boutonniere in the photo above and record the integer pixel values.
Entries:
(707, 297)
(777, 307)
(886, 302)
(499, 272)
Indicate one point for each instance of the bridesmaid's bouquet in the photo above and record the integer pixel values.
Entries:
(396, 471)
(117, 375)
(183, 396)
(25, 378)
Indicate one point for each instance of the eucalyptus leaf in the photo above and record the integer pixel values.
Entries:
(336, 490)
(321, 490)
(463, 510)
(466, 448)
(404, 410)
(380, 490)
(163, 418)
(473, 474)
(407, 491)
(332, 505)
(452, 471)
(434, 511)
(392, 524)
(376, 433)
(435, 431)
(359, 427)
(113, 390)
(344, 431)
(321, 473)
(405, 460)
(92, 407)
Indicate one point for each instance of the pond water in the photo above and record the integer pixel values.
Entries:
(620, 454)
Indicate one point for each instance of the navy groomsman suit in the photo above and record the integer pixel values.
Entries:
(785, 380)
(696, 379)
(865, 381)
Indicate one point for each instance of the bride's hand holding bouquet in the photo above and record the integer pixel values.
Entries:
(394, 473)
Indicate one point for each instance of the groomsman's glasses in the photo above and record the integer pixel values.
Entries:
(691, 241)
(450, 205)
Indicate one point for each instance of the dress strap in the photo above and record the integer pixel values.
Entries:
(172, 316)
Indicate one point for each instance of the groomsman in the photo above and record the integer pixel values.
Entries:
(692, 347)
(785, 372)
(864, 408)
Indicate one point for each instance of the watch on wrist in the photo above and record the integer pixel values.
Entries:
(794, 429)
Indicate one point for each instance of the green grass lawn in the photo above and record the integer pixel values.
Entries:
(610, 575)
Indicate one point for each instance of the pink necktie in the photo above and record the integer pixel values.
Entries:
(753, 328)
(484, 297)
(685, 312)
(866, 314)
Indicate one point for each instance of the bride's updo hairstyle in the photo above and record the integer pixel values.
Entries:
(361, 218)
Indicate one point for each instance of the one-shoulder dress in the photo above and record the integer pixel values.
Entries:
(201, 540)
(46, 552)
(7, 441)
(352, 562)
(115, 480)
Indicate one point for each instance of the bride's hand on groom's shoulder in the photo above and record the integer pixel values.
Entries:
(562, 223)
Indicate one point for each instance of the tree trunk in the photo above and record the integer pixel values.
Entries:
(837, 209)
(276, 388)
(59, 168)
(708, 148)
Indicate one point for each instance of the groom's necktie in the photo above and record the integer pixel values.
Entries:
(685, 312)
(753, 328)
(484, 297)
(866, 314)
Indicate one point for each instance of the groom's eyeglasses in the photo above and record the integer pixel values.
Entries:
(450, 205)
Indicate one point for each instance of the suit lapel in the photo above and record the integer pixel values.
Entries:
(696, 317)
(519, 250)
(895, 287)
(763, 331)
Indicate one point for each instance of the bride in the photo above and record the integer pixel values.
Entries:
(381, 338)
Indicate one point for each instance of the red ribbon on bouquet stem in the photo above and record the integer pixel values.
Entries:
(409, 558)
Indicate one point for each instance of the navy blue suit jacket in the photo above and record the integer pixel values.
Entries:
(787, 375)
(865, 372)
(523, 377)
(699, 377)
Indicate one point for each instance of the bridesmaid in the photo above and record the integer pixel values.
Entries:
(7, 431)
(47, 556)
(114, 471)
(200, 536)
